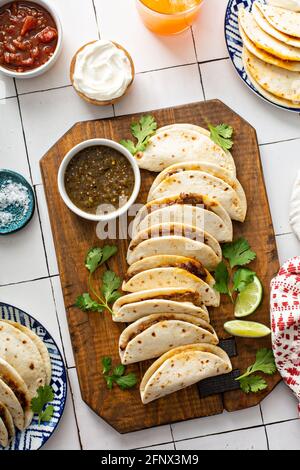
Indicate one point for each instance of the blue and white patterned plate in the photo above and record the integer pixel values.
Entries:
(36, 436)
(235, 45)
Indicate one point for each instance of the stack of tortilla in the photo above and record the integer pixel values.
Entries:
(271, 52)
(24, 367)
(175, 246)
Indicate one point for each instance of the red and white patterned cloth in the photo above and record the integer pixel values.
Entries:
(285, 320)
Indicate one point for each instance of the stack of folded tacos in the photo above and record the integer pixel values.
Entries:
(175, 246)
(24, 367)
(271, 52)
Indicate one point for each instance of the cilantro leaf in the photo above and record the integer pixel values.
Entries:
(265, 362)
(107, 252)
(106, 364)
(119, 370)
(93, 259)
(222, 278)
(142, 131)
(46, 415)
(242, 278)
(111, 283)
(238, 252)
(109, 381)
(221, 135)
(97, 256)
(87, 304)
(45, 395)
(129, 145)
(253, 383)
(126, 381)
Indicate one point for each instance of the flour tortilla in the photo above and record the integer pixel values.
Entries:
(263, 23)
(182, 367)
(8, 421)
(3, 434)
(12, 379)
(176, 145)
(40, 346)
(131, 307)
(162, 277)
(281, 83)
(192, 209)
(274, 99)
(266, 57)
(205, 184)
(293, 5)
(184, 127)
(171, 239)
(209, 168)
(264, 41)
(286, 21)
(149, 337)
(21, 353)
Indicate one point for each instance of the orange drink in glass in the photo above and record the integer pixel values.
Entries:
(168, 16)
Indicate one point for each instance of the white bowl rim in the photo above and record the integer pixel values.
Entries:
(43, 68)
(90, 143)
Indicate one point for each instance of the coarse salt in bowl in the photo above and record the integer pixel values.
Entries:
(17, 202)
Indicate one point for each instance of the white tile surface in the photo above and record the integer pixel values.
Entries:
(13, 152)
(46, 229)
(119, 21)
(96, 434)
(279, 197)
(7, 87)
(162, 89)
(250, 439)
(79, 27)
(66, 435)
(288, 246)
(22, 254)
(284, 436)
(169, 446)
(48, 115)
(217, 424)
(61, 313)
(280, 405)
(212, 13)
(36, 299)
(221, 81)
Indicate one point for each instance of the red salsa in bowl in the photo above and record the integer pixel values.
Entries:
(28, 36)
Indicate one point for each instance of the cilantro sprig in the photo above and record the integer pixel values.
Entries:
(108, 292)
(237, 253)
(265, 363)
(222, 135)
(142, 131)
(38, 404)
(116, 375)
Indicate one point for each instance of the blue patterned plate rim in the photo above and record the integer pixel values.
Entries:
(17, 314)
(18, 177)
(234, 46)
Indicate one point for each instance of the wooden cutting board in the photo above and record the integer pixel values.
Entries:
(95, 335)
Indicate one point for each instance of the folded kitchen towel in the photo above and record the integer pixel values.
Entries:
(285, 320)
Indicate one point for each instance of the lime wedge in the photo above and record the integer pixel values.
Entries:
(249, 299)
(246, 329)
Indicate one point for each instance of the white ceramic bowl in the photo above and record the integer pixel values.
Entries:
(43, 68)
(61, 180)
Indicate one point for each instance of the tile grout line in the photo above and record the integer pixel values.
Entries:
(29, 280)
(199, 70)
(41, 228)
(237, 430)
(74, 410)
(151, 446)
(23, 132)
(96, 17)
(265, 429)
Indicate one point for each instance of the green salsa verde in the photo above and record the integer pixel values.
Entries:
(97, 176)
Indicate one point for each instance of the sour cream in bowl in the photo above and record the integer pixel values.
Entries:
(101, 72)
